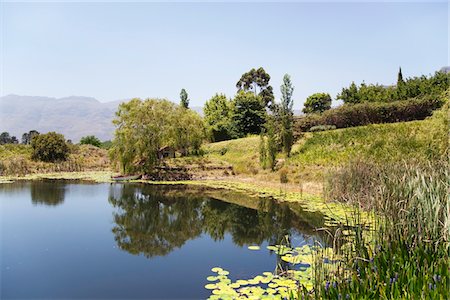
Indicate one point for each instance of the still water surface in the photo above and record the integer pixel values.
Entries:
(76, 240)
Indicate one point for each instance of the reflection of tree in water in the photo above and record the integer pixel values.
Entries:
(152, 223)
(247, 226)
(155, 220)
(47, 192)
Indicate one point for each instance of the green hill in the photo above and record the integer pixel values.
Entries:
(315, 152)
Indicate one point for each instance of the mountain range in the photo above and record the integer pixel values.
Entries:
(73, 116)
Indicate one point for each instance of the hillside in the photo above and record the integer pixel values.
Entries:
(73, 116)
(316, 152)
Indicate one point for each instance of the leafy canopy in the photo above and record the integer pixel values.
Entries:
(218, 118)
(143, 127)
(184, 100)
(50, 147)
(317, 103)
(91, 140)
(249, 113)
(254, 80)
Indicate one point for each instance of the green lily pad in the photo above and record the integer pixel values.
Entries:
(216, 269)
(211, 278)
(210, 286)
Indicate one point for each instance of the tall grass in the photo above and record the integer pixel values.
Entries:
(407, 256)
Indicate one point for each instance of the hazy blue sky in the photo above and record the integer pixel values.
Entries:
(116, 50)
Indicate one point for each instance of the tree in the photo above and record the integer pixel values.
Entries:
(317, 103)
(27, 137)
(5, 138)
(400, 80)
(254, 80)
(184, 98)
(262, 150)
(272, 147)
(144, 127)
(218, 118)
(91, 140)
(287, 114)
(49, 147)
(249, 114)
(350, 95)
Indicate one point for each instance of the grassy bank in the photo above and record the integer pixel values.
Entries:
(15, 160)
(316, 152)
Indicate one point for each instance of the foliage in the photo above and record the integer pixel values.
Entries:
(249, 114)
(16, 160)
(372, 113)
(257, 79)
(413, 87)
(90, 140)
(143, 127)
(106, 145)
(262, 150)
(407, 256)
(49, 147)
(5, 138)
(27, 137)
(272, 147)
(317, 103)
(218, 118)
(287, 114)
(322, 128)
(184, 100)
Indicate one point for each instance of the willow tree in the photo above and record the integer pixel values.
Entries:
(143, 127)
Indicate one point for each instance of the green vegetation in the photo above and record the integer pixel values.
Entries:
(415, 87)
(287, 115)
(90, 140)
(5, 138)
(28, 136)
(317, 103)
(16, 161)
(248, 114)
(144, 127)
(184, 99)
(50, 147)
(372, 113)
(218, 118)
(257, 82)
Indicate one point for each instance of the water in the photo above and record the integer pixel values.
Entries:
(75, 240)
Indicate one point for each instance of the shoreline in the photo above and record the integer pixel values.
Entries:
(333, 211)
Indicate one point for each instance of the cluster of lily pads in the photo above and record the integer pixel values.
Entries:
(283, 284)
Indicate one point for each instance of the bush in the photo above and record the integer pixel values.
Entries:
(371, 113)
(49, 147)
(91, 140)
(322, 128)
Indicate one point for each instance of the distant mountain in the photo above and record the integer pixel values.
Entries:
(73, 116)
(445, 69)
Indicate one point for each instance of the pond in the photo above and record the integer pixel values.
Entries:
(64, 239)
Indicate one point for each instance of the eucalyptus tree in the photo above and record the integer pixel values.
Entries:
(257, 81)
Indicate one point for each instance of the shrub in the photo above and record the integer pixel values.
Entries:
(317, 103)
(322, 128)
(91, 140)
(372, 113)
(49, 147)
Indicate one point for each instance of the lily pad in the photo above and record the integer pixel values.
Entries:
(210, 286)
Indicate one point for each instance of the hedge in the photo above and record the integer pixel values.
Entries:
(371, 113)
